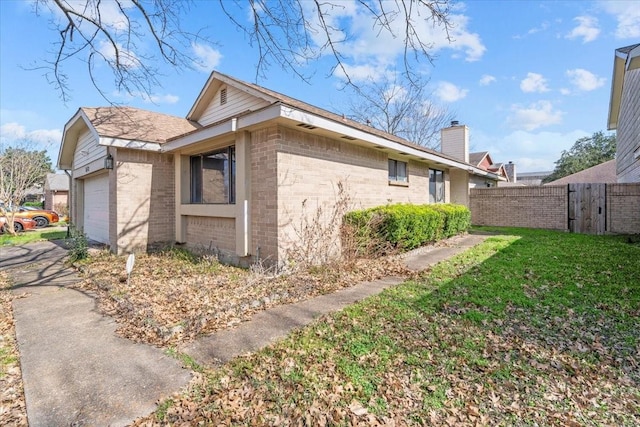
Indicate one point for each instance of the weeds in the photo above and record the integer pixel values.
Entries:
(78, 245)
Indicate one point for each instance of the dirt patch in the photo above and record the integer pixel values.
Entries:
(13, 411)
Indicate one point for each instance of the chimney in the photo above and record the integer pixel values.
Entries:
(511, 171)
(454, 141)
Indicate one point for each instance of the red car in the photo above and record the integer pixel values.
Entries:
(19, 224)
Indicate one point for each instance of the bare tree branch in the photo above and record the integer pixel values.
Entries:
(401, 107)
(132, 37)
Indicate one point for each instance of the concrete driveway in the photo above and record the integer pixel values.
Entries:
(76, 370)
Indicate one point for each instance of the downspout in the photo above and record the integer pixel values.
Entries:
(69, 202)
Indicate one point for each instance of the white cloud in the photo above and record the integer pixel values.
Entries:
(486, 80)
(587, 29)
(448, 92)
(364, 43)
(534, 82)
(207, 58)
(534, 116)
(14, 132)
(627, 13)
(126, 58)
(585, 80)
(108, 13)
(364, 72)
(565, 91)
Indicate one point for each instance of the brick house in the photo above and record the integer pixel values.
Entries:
(483, 160)
(56, 192)
(624, 112)
(236, 174)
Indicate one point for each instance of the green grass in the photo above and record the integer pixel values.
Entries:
(32, 236)
(530, 327)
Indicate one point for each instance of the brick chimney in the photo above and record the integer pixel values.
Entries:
(454, 141)
(511, 171)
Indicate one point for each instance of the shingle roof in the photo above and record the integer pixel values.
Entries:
(56, 182)
(284, 99)
(603, 173)
(476, 158)
(136, 124)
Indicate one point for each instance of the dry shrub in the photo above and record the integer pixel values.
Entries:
(316, 239)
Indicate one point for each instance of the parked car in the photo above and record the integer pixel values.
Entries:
(19, 224)
(42, 217)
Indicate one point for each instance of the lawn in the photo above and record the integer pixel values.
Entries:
(529, 328)
(47, 233)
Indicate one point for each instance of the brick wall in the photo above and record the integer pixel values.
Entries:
(547, 207)
(218, 234)
(144, 213)
(532, 207)
(623, 208)
(311, 166)
(264, 193)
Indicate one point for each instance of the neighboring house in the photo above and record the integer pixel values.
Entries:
(34, 194)
(532, 178)
(483, 160)
(240, 172)
(56, 192)
(624, 112)
(604, 173)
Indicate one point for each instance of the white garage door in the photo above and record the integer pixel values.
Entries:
(96, 208)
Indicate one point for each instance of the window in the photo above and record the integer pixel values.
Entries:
(223, 96)
(436, 186)
(213, 177)
(397, 170)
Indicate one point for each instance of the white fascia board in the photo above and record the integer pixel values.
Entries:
(128, 143)
(265, 114)
(321, 122)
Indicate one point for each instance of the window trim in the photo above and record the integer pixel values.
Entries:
(196, 180)
(393, 178)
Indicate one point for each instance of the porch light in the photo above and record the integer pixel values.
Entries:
(108, 162)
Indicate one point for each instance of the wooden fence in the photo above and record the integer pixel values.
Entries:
(580, 208)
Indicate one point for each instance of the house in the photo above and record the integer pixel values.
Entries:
(56, 192)
(532, 178)
(483, 160)
(624, 112)
(238, 173)
(604, 173)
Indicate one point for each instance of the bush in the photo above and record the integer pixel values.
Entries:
(403, 226)
(79, 247)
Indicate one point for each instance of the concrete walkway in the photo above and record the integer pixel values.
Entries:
(77, 372)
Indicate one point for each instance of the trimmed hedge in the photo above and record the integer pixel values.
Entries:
(405, 226)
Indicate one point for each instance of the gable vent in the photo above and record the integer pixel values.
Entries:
(306, 126)
(223, 96)
(350, 138)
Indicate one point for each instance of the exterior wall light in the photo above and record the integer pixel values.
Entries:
(108, 162)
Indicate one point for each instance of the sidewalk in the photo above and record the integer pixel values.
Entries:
(77, 371)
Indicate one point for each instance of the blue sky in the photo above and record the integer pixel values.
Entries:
(527, 77)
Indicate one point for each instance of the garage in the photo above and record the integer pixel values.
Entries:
(96, 208)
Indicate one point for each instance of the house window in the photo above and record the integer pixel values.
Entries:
(436, 186)
(397, 171)
(213, 177)
(223, 96)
